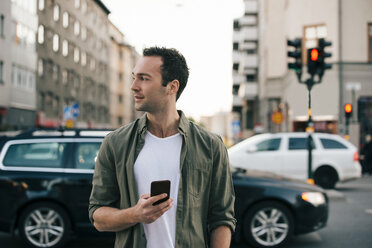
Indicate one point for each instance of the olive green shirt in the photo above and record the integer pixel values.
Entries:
(205, 195)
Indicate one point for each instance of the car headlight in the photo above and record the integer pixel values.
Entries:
(315, 198)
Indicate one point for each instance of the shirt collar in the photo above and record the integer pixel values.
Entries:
(183, 126)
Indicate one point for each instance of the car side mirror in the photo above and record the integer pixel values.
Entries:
(251, 149)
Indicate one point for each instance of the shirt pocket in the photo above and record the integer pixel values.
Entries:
(199, 177)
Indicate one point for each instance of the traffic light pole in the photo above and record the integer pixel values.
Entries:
(309, 129)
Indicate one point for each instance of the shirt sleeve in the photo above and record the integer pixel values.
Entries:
(105, 191)
(222, 197)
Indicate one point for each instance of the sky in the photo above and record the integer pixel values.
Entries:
(200, 29)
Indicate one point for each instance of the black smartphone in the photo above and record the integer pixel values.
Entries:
(160, 187)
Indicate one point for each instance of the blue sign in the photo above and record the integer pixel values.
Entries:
(75, 110)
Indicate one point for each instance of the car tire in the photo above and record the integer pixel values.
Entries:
(326, 177)
(268, 224)
(44, 224)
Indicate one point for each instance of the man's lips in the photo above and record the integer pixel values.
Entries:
(137, 97)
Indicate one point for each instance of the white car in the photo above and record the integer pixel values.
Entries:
(333, 158)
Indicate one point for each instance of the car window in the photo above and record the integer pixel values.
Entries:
(298, 144)
(332, 144)
(269, 145)
(86, 154)
(46, 154)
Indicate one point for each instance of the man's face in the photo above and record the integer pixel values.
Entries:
(147, 89)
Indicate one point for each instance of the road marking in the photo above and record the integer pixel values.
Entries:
(368, 211)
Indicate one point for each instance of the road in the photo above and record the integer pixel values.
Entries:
(349, 224)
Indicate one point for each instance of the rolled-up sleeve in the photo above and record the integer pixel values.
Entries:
(105, 190)
(222, 195)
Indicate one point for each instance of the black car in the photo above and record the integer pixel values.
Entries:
(45, 183)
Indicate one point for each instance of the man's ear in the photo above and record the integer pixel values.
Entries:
(173, 87)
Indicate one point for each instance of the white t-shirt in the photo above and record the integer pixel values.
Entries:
(159, 159)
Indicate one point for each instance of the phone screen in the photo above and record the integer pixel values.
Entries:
(160, 187)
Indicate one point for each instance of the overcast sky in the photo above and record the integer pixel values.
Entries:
(200, 29)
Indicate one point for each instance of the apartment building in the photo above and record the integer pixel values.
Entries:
(73, 45)
(18, 26)
(246, 61)
(122, 60)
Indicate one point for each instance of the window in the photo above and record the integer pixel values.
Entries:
(40, 34)
(298, 144)
(77, 4)
(332, 144)
(311, 35)
(77, 28)
(65, 48)
(56, 13)
(2, 25)
(120, 76)
(92, 64)
(120, 98)
(64, 77)
(40, 67)
(236, 66)
(46, 154)
(83, 58)
(76, 55)
(84, 7)
(1, 72)
(83, 33)
(55, 42)
(41, 5)
(250, 78)
(55, 72)
(86, 155)
(370, 42)
(235, 46)
(269, 145)
(65, 20)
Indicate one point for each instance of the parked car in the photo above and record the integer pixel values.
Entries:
(271, 209)
(45, 183)
(333, 158)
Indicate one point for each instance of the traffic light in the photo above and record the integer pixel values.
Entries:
(296, 54)
(313, 61)
(348, 110)
(322, 44)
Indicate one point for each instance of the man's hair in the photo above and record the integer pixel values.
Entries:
(174, 66)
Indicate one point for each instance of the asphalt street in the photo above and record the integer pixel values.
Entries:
(349, 224)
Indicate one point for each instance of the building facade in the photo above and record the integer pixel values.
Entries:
(73, 63)
(122, 60)
(246, 73)
(18, 26)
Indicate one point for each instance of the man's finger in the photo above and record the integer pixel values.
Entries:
(145, 196)
(156, 198)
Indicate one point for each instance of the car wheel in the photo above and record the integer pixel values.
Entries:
(44, 224)
(326, 177)
(268, 224)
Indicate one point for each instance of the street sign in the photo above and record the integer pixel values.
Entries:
(75, 110)
(277, 117)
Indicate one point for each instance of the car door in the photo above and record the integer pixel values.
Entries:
(296, 156)
(79, 179)
(264, 155)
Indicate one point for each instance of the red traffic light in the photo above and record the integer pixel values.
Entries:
(348, 108)
(314, 54)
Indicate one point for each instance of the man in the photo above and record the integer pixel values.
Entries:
(160, 145)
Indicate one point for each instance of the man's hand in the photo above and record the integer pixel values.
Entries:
(114, 220)
(146, 212)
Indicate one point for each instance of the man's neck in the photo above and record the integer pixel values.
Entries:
(163, 124)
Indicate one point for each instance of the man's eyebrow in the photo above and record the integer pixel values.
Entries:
(141, 74)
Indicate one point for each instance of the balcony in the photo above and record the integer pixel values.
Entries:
(238, 79)
(250, 20)
(250, 61)
(249, 33)
(248, 90)
(251, 7)
(237, 101)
